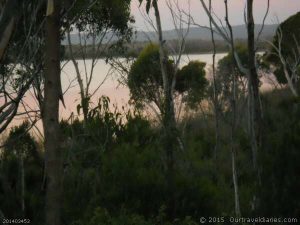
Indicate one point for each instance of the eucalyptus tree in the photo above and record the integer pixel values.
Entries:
(250, 70)
(52, 91)
(21, 176)
(21, 61)
(146, 84)
(94, 17)
(9, 17)
(100, 25)
(231, 88)
(168, 118)
(170, 131)
(284, 55)
(22, 65)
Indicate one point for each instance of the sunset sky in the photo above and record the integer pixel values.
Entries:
(280, 9)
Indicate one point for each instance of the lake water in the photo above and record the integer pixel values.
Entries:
(118, 94)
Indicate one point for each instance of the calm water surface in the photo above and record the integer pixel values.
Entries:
(118, 94)
(111, 87)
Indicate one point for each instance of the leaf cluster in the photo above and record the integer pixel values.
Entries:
(146, 84)
(287, 37)
(101, 15)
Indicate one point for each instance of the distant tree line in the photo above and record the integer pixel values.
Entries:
(192, 46)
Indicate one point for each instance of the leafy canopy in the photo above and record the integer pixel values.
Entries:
(146, 84)
(100, 15)
(288, 36)
(191, 82)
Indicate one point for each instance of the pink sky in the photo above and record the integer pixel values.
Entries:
(280, 9)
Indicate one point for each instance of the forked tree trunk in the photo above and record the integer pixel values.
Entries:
(51, 114)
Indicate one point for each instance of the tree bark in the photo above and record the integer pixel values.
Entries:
(233, 146)
(6, 36)
(215, 91)
(255, 110)
(254, 83)
(21, 155)
(235, 183)
(168, 115)
(235, 59)
(8, 17)
(51, 114)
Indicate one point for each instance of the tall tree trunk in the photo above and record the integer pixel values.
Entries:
(234, 115)
(8, 17)
(235, 184)
(168, 115)
(215, 91)
(51, 114)
(6, 36)
(255, 110)
(255, 105)
(233, 146)
(22, 173)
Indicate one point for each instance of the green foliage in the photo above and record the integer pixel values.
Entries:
(227, 64)
(227, 68)
(288, 34)
(191, 80)
(102, 216)
(290, 31)
(146, 84)
(25, 45)
(99, 135)
(101, 15)
(124, 181)
(21, 147)
(114, 169)
(281, 157)
(145, 79)
(102, 21)
(226, 71)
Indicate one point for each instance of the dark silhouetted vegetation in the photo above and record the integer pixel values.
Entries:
(196, 144)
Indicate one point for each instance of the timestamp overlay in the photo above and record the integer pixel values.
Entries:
(239, 220)
(8, 221)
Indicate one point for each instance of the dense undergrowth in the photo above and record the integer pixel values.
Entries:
(115, 172)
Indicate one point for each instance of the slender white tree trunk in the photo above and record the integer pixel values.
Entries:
(22, 183)
(84, 99)
(235, 184)
(168, 115)
(215, 92)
